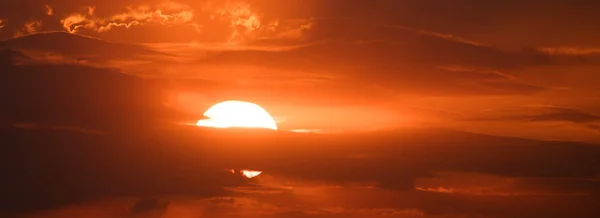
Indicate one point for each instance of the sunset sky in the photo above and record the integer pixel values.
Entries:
(515, 68)
(524, 69)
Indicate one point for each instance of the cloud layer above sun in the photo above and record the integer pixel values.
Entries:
(408, 68)
(223, 21)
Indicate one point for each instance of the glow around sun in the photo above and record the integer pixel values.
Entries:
(237, 114)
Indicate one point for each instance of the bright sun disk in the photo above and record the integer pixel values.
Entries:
(237, 114)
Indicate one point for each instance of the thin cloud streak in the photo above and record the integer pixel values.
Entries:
(571, 51)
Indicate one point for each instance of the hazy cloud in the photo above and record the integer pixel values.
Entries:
(30, 27)
(49, 10)
(569, 50)
(546, 114)
(247, 24)
(440, 35)
(173, 14)
(396, 67)
(496, 185)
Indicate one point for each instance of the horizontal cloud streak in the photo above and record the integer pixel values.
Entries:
(143, 15)
(546, 114)
(569, 50)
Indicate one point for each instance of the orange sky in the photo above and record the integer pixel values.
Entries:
(340, 65)
(103, 98)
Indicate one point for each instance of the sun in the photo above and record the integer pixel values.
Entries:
(236, 113)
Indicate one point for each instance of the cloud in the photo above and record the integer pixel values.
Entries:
(493, 193)
(9, 57)
(563, 114)
(387, 64)
(171, 14)
(317, 178)
(246, 24)
(440, 35)
(49, 10)
(405, 60)
(91, 10)
(575, 51)
(30, 27)
(545, 113)
(496, 185)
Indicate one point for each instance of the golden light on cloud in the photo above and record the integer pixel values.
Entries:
(237, 114)
(30, 27)
(250, 173)
(240, 21)
(49, 10)
(165, 14)
(247, 23)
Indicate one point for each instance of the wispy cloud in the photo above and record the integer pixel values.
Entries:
(569, 50)
(244, 22)
(545, 113)
(165, 14)
(31, 26)
(440, 35)
(483, 192)
(49, 10)
(233, 22)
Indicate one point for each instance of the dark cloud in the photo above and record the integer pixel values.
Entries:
(78, 47)
(548, 114)
(401, 59)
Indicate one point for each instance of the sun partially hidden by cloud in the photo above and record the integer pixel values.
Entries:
(237, 114)
(2, 22)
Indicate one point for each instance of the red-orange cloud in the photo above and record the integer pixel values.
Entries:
(247, 23)
(49, 10)
(569, 50)
(30, 27)
(239, 21)
(165, 14)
